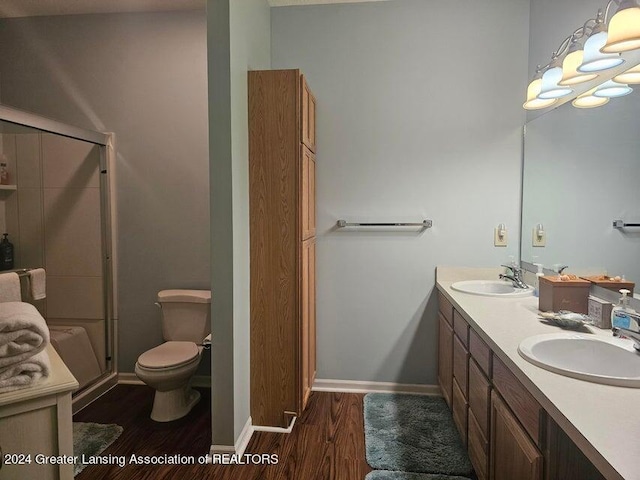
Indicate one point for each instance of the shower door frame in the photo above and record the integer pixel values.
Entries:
(106, 144)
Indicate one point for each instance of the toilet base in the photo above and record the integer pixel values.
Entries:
(174, 404)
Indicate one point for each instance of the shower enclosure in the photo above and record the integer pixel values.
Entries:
(56, 205)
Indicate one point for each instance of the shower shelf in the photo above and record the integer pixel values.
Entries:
(8, 187)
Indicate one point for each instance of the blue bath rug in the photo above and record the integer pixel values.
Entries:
(413, 433)
(387, 475)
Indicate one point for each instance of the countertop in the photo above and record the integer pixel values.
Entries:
(602, 420)
(60, 380)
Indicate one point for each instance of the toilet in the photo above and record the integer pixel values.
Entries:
(168, 368)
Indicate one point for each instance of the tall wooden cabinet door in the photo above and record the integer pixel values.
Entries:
(307, 319)
(445, 358)
(308, 193)
(513, 454)
(308, 123)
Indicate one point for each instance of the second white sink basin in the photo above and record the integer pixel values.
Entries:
(492, 288)
(610, 361)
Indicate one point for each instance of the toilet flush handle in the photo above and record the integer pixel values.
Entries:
(157, 304)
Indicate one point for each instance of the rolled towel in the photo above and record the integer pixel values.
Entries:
(26, 373)
(23, 332)
(10, 287)
(38, 283)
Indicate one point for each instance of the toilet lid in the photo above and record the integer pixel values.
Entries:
(169, 354)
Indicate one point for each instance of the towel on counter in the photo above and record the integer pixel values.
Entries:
(26, 373)
(38, 283)
(23, 332)
(10, 287)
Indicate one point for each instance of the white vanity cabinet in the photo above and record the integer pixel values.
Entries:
(38, 421)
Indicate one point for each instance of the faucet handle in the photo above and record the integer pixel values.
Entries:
(515, 269)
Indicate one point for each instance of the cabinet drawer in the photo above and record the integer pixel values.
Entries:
(445, 307)
(478, 448)
(479, 396)
(460, 365)
(480, 352)
(460, 411)
(525, 408)
(461, 327)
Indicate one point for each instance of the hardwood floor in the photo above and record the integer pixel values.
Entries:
(327, 442)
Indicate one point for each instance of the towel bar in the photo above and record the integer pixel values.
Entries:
(423, 224)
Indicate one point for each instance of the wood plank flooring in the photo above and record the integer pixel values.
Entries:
(327, 442)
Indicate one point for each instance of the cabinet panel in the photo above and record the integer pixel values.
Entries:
(461, 327)
(308, 124)
(478, 448)
(459, 411)
(480, 352)
(445, 358)
(307, 193)
(460, 364)
(445, 308)
(307, 349)
(525, 407)
(479, 396)
(513, 454)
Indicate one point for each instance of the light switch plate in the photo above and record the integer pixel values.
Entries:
(539, 240)
(499, 241)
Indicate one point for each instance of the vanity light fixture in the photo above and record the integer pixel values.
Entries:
(570, 73)
(587, 100)
(624, 27)
(550, 88)
(611, 89)
(630, 76)
(533, 102)
(594, 60)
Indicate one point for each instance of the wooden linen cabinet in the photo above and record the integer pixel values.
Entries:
(282, 146)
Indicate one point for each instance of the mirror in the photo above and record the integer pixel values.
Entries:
(51, 206)
(581, 172)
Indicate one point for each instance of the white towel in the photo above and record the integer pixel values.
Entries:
(10, 287)
(23, 332)
(26, 373)
(38, 283)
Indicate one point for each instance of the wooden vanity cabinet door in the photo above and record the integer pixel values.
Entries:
(308, 123)
(308, 193)
(445, 359)
(459, 409)
(308, 320)
(513, 454)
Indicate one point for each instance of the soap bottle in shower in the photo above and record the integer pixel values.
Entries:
(4, 174)
(6, 253)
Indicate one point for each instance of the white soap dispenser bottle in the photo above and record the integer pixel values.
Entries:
(620, 317)
(539, 273)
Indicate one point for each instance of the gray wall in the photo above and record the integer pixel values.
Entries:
(419, 116)
(142, 76)
(239, 40)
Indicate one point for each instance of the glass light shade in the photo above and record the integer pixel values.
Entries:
(533, 102)
(570, 73)
(587, 100)
(596, 61)
(550, 88)
(611, 89)
(630, 76)
(624, 31)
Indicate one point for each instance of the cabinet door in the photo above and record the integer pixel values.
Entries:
(308, 123)
(308, 320)
(513, 454)
(308, 193)
(445, 358)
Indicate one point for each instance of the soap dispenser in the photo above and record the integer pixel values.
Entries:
(622, 315)
(6, 253)
(539, 273)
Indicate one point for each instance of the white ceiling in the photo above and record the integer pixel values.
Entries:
(34, 8)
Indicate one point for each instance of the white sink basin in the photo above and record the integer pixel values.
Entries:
(611, 361)
(492, 288)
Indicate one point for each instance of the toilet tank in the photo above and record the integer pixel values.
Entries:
(186, 314)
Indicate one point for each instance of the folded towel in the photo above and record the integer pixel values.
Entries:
(26, 373)
(37, 283)
(10, 287)
(23, 332)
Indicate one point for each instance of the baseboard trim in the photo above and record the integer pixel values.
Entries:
(356, 386)
(260, 428)
(200, 381)
(245, 437)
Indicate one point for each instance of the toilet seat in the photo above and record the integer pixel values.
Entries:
(169, 355)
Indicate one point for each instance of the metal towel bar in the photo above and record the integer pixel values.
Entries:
(622, 224)
(423, 224)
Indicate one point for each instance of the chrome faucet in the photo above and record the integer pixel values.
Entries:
(630, 334)
(515, 277)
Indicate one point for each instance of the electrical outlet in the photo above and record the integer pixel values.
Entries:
(500, 237)
(539, 238)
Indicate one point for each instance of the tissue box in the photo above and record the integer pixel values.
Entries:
(556, 295)
(605, 282)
